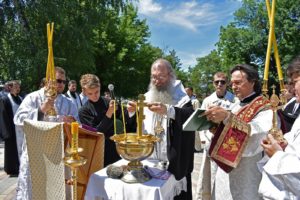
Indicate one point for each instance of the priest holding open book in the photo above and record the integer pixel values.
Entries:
(236, 143)
(223, 98)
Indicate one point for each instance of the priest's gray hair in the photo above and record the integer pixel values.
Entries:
(167, 64)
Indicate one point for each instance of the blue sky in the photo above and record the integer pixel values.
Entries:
(190, 27)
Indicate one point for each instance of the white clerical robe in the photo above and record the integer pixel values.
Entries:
(242, 182)
(208, 167)
(281, 172)
(76, 101)
(179, 98)
(29, 110)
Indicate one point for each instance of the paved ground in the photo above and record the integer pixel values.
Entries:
(195, 174)
(8, 184)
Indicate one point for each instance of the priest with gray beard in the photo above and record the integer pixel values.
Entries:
(168, 107)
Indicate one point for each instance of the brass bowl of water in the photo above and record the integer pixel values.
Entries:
(133, 148)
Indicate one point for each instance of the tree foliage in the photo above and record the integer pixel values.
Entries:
(102, 37)
(245, 39)
(202, 73)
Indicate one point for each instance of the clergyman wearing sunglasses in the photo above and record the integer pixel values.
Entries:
(225, 99)
(61, 81)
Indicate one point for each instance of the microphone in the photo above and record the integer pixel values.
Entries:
(111, 91)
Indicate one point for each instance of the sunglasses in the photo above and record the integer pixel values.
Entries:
(61, 81)
(222, 82)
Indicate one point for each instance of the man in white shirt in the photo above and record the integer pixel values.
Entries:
(225, 99)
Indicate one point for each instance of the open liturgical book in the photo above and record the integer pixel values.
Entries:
(197, 121)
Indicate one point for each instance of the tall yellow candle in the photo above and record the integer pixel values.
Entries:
(115, 119)
(137, 120)
(276, 54)
(270, 40)
(123, 119)
(74, 131)
(50, 72)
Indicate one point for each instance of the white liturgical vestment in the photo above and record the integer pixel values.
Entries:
(179, 98)
(29, 110)
(281, 172)
(242, 182)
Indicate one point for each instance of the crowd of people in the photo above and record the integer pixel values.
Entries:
(261, 168)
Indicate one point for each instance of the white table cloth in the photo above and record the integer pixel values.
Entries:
(102, 187)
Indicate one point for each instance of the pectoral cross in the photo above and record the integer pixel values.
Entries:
(158, 129)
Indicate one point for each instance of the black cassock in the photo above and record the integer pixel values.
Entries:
(180, 148)
(94, 114)
(289, 115)
(8, 134)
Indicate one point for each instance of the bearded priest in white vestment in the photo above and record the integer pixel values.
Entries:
(168, 107)
(33, 107)
(240, 180)
(281, 167)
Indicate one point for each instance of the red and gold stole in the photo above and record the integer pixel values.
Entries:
(230, 140)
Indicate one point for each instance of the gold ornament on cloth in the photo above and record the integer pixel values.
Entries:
(272, 42)
(135, 147)
(50, 87)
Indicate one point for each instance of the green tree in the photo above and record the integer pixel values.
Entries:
(122, 52)
(23, 42)
(245, 39)
(176, 64)
(201, 75)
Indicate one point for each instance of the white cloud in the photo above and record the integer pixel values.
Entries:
(190, 15)
(189, 59)
(148, 7)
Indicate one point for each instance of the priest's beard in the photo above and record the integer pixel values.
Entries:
(162, 95)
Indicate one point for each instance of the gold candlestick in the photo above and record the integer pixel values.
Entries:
(275, 131)
(74, 160)
(141, 117)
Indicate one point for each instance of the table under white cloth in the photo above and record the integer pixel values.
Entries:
(102, 187)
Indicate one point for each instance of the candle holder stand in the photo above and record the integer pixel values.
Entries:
(73, 161)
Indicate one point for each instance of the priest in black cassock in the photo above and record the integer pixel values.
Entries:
(8, 106)
(168, 107)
